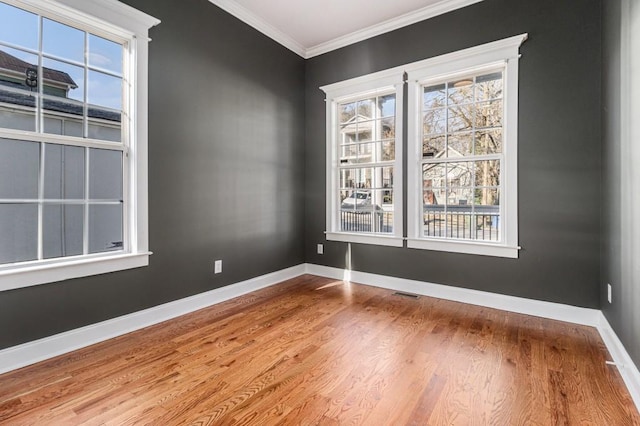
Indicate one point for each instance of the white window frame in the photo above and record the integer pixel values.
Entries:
(360, 87)
(132, 26)
(499, 54)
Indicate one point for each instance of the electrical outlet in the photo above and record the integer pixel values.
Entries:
(609, 292)
(217, 267)
(320, 249)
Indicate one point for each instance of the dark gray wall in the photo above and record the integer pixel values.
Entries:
(559, 148)
(225, 173)
(616, 261)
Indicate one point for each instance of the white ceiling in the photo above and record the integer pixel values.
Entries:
(311, 28)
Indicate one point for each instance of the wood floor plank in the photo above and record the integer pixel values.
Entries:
(319, 351)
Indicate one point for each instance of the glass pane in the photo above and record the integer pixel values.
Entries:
(388, 150)
(348, 178)
(387, 198)
(18, 86)
(487, 211)
(105, 90)
(62, 41)
(63, 80)
(387, 105)
(488, 173)
(457, 196)
(488, 142)
(19, 168)
(433, 146)
(358, 199)
(460, 118)
(388, 130)
(366, 152)
(64, 172)
(434, 219)
(18, 232)
(348, 154)
(433, 175)
(489, 114)
(366, 109)
(105, 174)
(434, 97)
(460, 144)
(460, 174)
(434, 121)
(489, 86)
(62, 228)
(460, 91)
(346, 112)
(364, 132)
(18, 27)
(102, 130)
(105, 54)
(105, 228)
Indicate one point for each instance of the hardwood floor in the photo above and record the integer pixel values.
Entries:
(318, 351)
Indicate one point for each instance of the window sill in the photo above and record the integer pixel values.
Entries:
(467, 247)
(376, 239)
(40, 273)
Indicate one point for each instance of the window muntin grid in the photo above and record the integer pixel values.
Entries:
(462, 155)
(366, 138)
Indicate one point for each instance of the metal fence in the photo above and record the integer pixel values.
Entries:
(366, 220)
(462, 222)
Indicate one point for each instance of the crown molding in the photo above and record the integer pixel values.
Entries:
(261, 25)
(269, 30)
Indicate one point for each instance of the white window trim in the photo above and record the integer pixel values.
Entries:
(499, 53)
(371, 84)
(116, 18)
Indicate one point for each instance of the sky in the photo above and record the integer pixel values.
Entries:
(20, 29)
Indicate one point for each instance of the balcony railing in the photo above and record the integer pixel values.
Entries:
(366, 219)
(462, 222)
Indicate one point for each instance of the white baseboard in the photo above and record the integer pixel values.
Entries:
(621, 358)
(556, 311)
(49, 347)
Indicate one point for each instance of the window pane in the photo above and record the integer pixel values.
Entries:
(105, 54)
(488, 142)
(388, 150)
(62, 41)
(487, 211)
(433, 174)
(18, 27)
(366, 109)
(487, 173)
(105, 90)
(387, 105)
(460, 174)
(105, 174)
(460, 144)
(64, 172)
(347, 112)
(461, 91)
(105, 228)
(460, 118)
(18, 232)
(19, 168)
(489, 114)
(62, 227)
(433, 146)
(489, 86)
(434, 121)
(364, 132)
(434, 97)
(63, 80)
(388, 130)
(18, 89)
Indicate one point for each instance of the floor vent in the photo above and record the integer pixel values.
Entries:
(399, 293)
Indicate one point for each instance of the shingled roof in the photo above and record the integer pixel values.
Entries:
(11, 63)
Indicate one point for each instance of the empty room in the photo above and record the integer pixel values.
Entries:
(245, 212)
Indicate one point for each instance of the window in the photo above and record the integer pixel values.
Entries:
(462, 160)
(462, 153)
(72, 139)
(364, 166)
